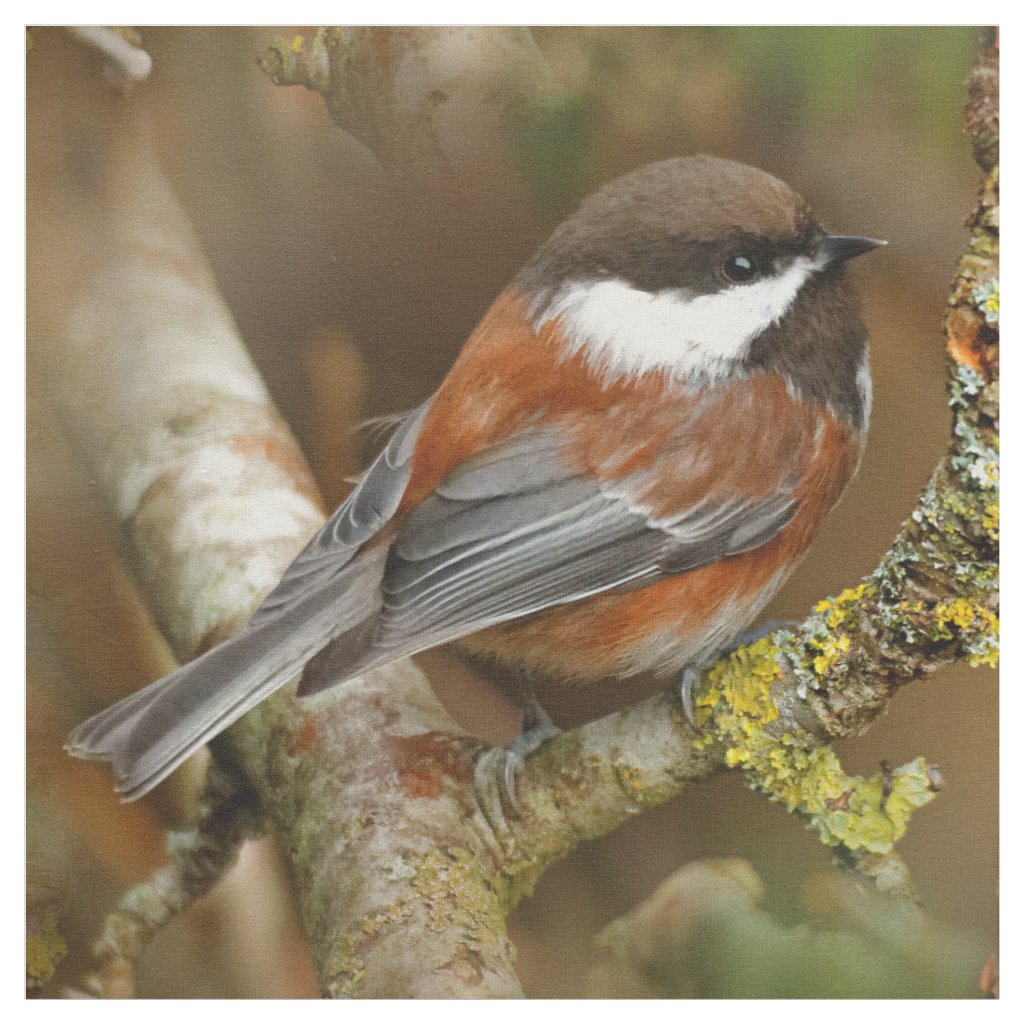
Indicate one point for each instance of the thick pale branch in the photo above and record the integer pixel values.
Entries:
(214, 501)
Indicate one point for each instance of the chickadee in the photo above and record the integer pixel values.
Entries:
(626, 461)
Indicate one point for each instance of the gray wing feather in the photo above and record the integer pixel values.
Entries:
(727, 529)
(150, 733)
(526, 462)
(486, 522)
(355, 521)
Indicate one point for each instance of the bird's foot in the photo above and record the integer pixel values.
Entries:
(497, 770)
(691, 675)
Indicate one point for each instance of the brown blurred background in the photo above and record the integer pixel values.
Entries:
(354, 301)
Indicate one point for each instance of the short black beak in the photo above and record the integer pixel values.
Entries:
(839, 248)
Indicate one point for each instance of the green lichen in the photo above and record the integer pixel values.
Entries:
(462, 897)
(346, 967)
(954, 534)
(452, 887)
(373, 924)
(44, 947)
(736, 707)
(398, 868)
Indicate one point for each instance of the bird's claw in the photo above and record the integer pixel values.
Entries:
(689, 679)
(496, 774)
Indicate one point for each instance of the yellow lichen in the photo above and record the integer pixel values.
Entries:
(959, 613)
(860, 814)
(630, 776)
(989, 658)
(831, 649)
(346, 966)
(990, 521)
(823, 644)
(458, 894)
(974, 625)
(743, 681)
(839, 607)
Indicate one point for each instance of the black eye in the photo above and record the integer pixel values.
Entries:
(741, 269)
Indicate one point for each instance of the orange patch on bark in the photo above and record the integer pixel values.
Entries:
(306, 734)
(425, 760)
(965, 343)
(279, 450)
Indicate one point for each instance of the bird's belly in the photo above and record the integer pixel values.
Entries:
(655, 629)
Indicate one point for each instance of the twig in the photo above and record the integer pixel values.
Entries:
(432, 104)
(128, 62)
(200, 858)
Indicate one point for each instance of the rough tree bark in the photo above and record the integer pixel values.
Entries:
(405, 884)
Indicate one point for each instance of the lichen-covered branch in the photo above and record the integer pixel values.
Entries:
(200, 858)
(213, 500)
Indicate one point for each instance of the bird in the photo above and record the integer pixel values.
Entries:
(627, 459)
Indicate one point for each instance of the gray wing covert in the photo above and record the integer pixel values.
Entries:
(516, 530)
(356, 520)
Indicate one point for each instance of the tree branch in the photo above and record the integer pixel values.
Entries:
(128, 62)
(705, 933)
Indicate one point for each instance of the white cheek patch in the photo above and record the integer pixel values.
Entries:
(622, 330)
(864, 388)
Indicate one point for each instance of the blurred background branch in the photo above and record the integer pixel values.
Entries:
(429, 103)
(401, 873)
(705, 934)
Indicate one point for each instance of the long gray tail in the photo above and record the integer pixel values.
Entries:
(147, 735)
